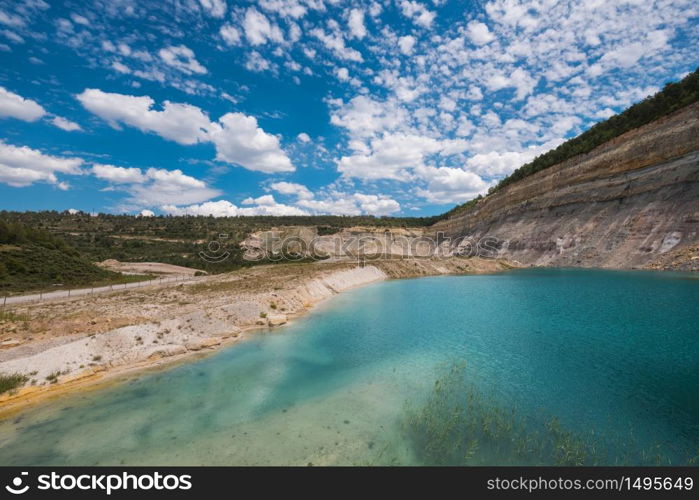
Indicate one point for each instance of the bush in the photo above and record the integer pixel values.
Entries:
(11, 382)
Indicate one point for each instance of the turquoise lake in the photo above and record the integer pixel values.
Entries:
(605, 361)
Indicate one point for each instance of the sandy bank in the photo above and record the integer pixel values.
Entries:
(71, 344)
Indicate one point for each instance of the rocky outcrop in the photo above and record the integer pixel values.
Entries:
(348, 243)
(632, 202)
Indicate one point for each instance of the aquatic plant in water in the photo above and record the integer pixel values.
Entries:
(456, 424)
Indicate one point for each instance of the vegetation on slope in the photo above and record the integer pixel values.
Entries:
(11, 382)
(672, 97)
(179, 240)
(32, 258)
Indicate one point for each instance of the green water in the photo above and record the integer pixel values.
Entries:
(610, 357)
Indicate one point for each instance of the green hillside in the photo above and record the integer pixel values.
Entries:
(33, 259)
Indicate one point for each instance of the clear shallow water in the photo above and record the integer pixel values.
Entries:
(616, 353)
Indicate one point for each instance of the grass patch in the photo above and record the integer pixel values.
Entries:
(11, 316)
(53, 377)
(10, 382)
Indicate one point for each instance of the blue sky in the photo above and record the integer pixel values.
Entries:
(385, 107)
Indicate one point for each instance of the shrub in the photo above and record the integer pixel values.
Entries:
(11, 382)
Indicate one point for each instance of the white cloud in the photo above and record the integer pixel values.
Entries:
(450, 185)
(78, 19)
(65, 124)
(289, 8)
(22, 166)
(215, 8)
(500, 164)
(230, 34)
(118, 175)
(154, 186)
(16, 106)
(335, 202)
(146, 213)
(258, 29)
(356, 23)
(377, 204)
(239, 140)
(393, 156)
(479, 33)
(363, 116)
(406, 44)
(417, 12)
(292, 189)
(338, 203)
(237, 137)
(304, 137)
(11, 20)
(224, 208)
(256, 62)
(181, 58)
(342, 74)
(336, 43)
(519, 78)
(182, 123)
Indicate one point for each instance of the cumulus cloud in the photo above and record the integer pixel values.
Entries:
(393, 156)
(239, 140)
(356, 23)
(16, 106)
(182, 58)
(479, 33)
(333, 203)
(230, 34)
(338, 203)
(21, 166)
(417, 12)
(450, 185)
(336, 43)
(364, 116)
(182, 123)
(65, 124)
(154, 187)
(259, 30)
(406, 44)
(292, 189)
(237, 137)
(118, 175)
(215, 8)
(224, 208)
(293, 9)
(500, 164)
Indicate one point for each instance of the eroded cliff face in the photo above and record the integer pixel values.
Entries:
(632, 202)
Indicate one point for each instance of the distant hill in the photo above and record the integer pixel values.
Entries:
(178, 240)
(35, 259)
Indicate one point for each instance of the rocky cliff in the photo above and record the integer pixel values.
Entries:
(632, 202)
